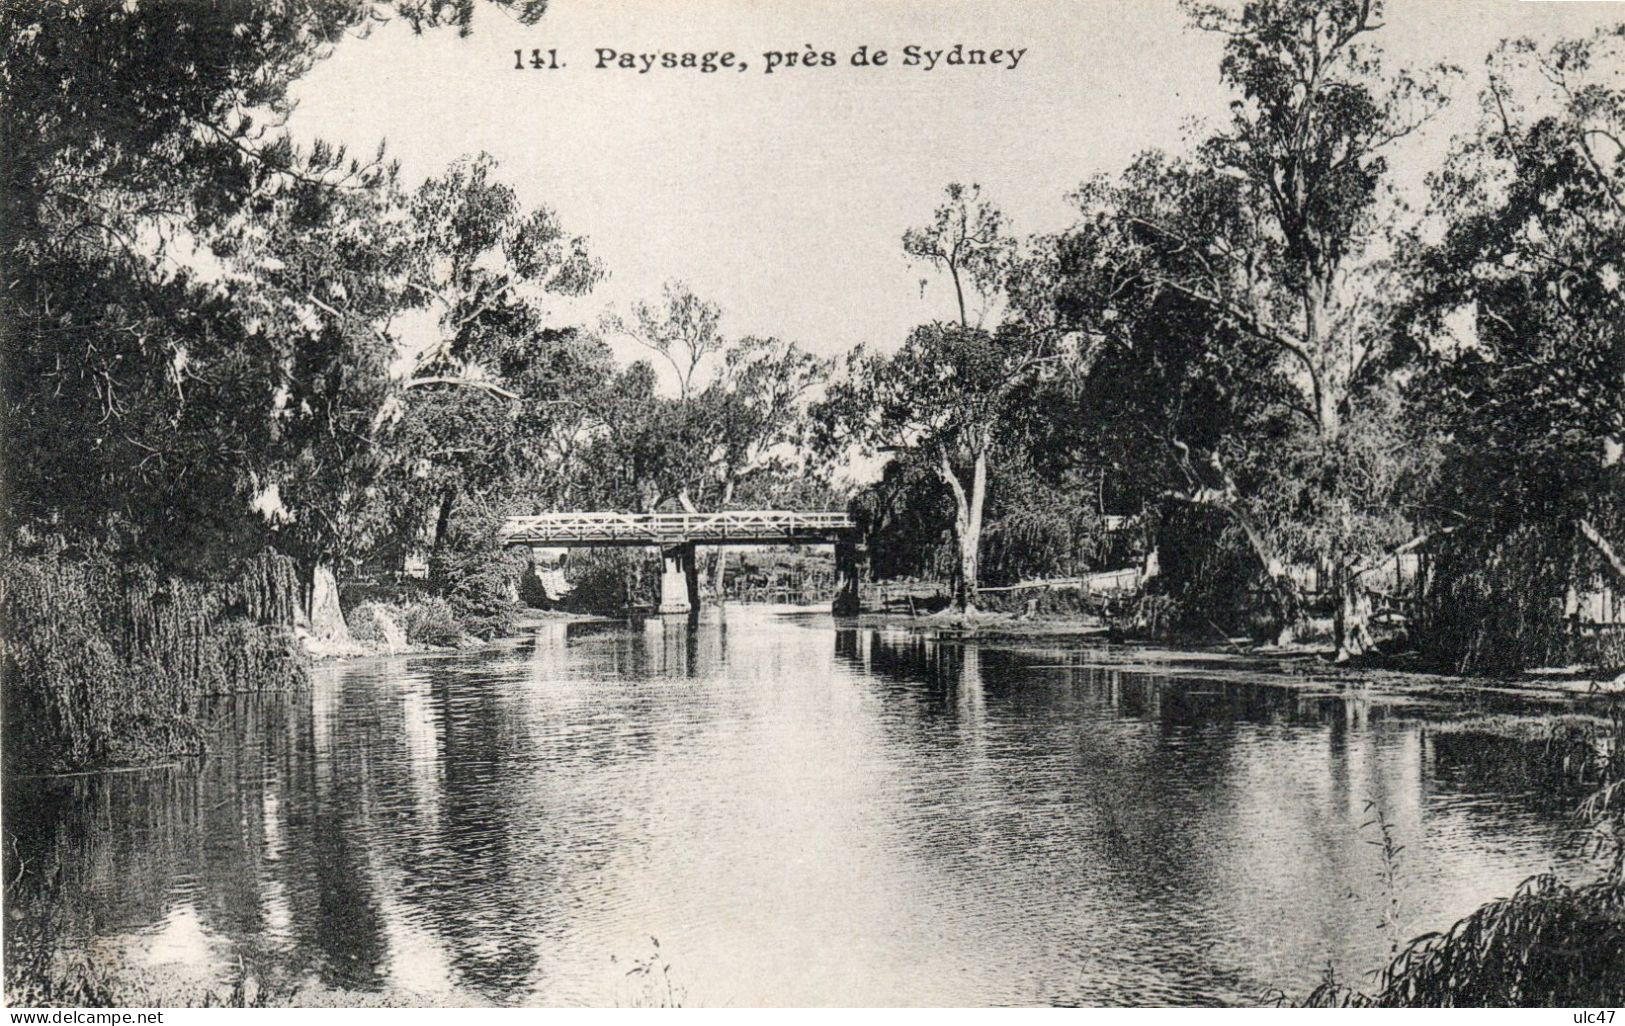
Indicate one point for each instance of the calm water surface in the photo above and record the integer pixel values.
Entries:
(800, 813)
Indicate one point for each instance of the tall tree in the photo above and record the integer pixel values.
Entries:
(1274, 230)
(316, 273)
(760, 403)
(941, 399)
(682, 329)
(969, 241)
(136, 135)
(1522, 325)
(740, 405)
(483, 267)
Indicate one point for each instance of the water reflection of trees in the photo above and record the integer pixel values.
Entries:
(1169, 691)
(291, 841)
(432, 807)
(1192, 821)
(214, 841)
(439, 823)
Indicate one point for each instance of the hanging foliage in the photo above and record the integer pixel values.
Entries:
(1499, 600)
(107, 664)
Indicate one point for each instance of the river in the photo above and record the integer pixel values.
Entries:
(779, 810)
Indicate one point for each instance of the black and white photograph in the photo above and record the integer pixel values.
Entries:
(620, 504)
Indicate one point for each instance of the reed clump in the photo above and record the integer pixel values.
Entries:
(109, 664)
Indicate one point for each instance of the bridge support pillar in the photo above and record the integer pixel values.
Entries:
(679, 580)
(849, 560)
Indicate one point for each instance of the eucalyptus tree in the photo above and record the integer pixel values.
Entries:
(482, 267)
(683, 329)
(942, 398)
(563, 379)
(969, 240)
(138, 137)
(760, 416)
(740, 408)
(379, 431)
(1273, 231)
(641, 447)
(1522, 326)
(317, 278)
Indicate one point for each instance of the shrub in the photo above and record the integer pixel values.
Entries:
(607, 581)
(479, 584)
(1068, 602)
(1494, 601)
(1210, 577)
(367, 621)
(431, 622)
(477, 573)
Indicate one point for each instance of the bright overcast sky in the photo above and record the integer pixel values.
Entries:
(783, 197)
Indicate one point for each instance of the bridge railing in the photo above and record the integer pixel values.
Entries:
(658, 527)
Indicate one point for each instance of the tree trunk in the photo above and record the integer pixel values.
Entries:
(442, 522)
(648, 495)
(965, 592)
(719, 583)
(967, 526)
(971, 542)
(1351, 623)
(326, 618)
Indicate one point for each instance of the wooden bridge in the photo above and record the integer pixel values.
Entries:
(677, 534)
(733, 527)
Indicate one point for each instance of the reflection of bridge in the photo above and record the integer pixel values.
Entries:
(677, 534)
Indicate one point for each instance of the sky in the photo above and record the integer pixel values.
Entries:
(783, 197)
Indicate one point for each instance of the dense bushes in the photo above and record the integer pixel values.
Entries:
(376, 623)
(1496, 600)
(1209, 579)
(608, 581)
(1548, 945)
(420, 619)
(108, 664)
(480, 585)
(431, 621)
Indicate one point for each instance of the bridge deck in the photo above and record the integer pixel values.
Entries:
(734, 527)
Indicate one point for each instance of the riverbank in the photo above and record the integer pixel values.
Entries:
(323, 650)
(1313, 655)
(1301, 664)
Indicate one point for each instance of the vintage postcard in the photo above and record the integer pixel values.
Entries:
(905, 503)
